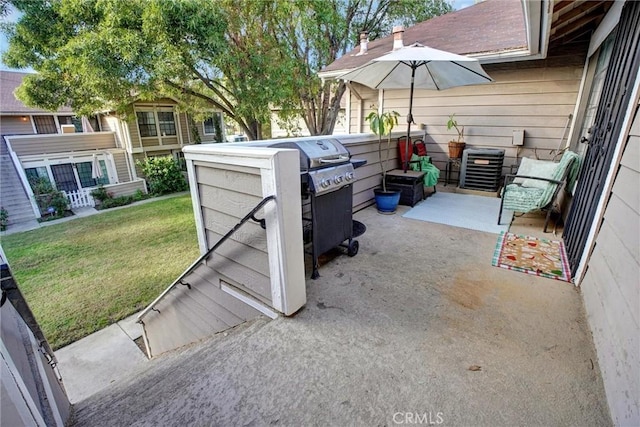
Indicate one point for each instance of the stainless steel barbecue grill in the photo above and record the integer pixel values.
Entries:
(327, 174)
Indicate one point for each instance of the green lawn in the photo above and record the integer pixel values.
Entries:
(82, 275)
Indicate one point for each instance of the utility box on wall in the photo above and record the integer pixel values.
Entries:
(518, 137)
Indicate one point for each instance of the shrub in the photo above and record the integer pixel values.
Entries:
(163, 175)
(4, 219)
(116, 201)
(101, 194)
(49, 200)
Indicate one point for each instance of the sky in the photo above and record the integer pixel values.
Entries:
(457, 5)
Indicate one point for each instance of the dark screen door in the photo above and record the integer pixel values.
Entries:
(64, 178)
(615, 98)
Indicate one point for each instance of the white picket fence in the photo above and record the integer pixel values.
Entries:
(80, 198)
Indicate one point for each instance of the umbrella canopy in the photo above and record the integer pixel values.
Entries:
(418, 66)
(86, 125)
(96, 170)
(431, 68)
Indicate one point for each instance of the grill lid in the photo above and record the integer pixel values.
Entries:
(318, 153)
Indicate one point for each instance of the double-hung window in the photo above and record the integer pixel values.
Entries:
(156, 122)
(147, 123)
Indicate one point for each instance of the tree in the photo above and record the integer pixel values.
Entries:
(315, 33)
(237, 56)
(91, 53)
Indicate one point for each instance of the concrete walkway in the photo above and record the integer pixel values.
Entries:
(418, 326)
(99, 360)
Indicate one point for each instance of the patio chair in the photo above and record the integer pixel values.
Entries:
(537, 184)
(419, 161)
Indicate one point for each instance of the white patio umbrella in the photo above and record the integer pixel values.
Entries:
(86, 125)
(96, 170)
(418, 66)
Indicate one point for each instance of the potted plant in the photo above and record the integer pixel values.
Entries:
(456, 147)
(382, 124)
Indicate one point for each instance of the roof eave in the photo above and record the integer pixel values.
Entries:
(537, 20)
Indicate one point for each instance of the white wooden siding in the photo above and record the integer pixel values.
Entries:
(611, 288)
(256, 271)
(61, 143)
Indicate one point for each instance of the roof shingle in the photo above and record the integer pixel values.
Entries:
(9, 104)
(489, 26)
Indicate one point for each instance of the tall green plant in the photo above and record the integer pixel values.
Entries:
(453, 123)
(382, 124)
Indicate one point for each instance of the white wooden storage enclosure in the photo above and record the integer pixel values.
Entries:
(255, 271)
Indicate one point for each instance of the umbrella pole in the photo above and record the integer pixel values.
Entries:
(409, 120)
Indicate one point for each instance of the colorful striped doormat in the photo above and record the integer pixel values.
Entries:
(541, 257)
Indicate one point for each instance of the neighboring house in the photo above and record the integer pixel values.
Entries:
(62, 147)
(554, 63)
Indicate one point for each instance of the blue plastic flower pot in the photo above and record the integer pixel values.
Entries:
(386, 201)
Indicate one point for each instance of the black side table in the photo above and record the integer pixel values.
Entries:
(451, 163)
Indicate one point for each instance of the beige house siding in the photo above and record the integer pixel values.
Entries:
(126, 188)
(537, 99)
(14, 125)
(187, 314)
(368, 177)
(122, 169)
(62, 143)
(184, 128)
(611, 290)
(244, 258)
(363, 101)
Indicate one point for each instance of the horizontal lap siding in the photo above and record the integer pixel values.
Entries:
(368, 177)
(369, 102)
(62, 143)
(226, 196)
(134, 133)
(536, 100)
(127, 188)
(184, 128)
(14, 125)
(188, 314)
(611, 291)
(121, 167)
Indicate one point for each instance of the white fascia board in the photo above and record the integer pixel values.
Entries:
(333, 75)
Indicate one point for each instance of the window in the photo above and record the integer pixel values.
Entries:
(147, 123)
(71, 120)
(167, 123)
(36, 173)
(45, 124)
(85, 174)
(213, 126)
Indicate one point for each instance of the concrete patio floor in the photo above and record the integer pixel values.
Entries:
(387, 337)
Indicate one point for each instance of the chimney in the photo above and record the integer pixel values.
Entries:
(364, 42)
(397, 37)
